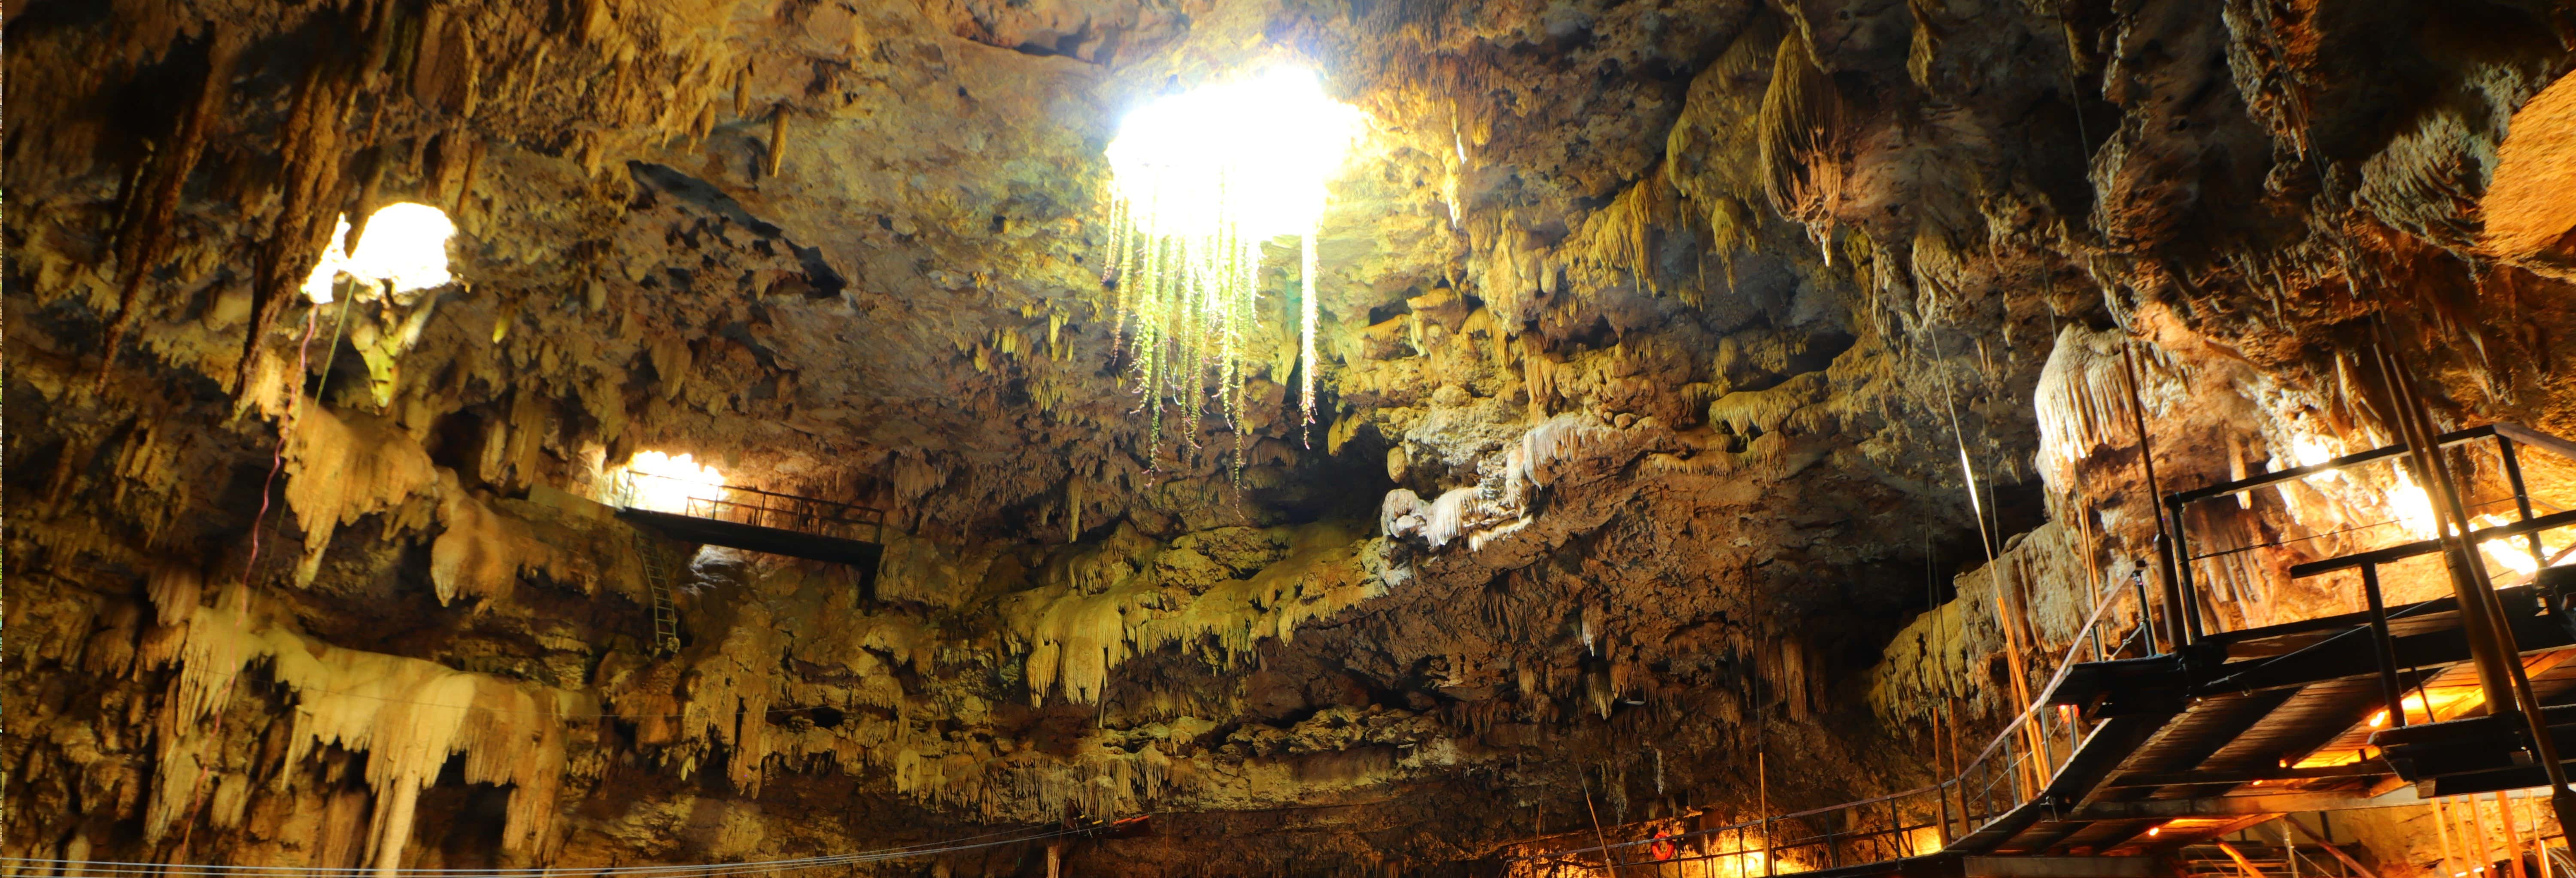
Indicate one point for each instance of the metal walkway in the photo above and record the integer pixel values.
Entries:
(739, 518)
(2167, 751)
(753, 519)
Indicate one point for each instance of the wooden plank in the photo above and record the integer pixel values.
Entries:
(2211, 723)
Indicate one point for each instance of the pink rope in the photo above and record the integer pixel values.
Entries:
(276, 462)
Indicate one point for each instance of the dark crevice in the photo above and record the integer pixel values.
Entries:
(821, 281)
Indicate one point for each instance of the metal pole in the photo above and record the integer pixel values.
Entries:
(2147, 460)
(1941, 788)
(2182, 562)
(1597, 835)
(2512, 836)
(1986, 789)
(2092, 577)
(2467, 586)
(2382, 649)
(2042, 754)
(2289, 848)
(2482, 618)
(2074, 740)
(2013, 760)
(2442, 832)
(1834, 845)
(1762, 782)
(2146, 623)
(1896, 824)
(2521, 494)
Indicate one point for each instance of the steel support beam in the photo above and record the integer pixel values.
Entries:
(2223, 806)
(2059, 867)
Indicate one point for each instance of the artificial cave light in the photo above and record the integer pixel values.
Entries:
(404, 248)
(668, 482)
(1200, 180)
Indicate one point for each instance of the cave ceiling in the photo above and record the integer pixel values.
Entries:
(1654, 336)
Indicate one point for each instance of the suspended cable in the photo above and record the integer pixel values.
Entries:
(121, 867)
(2065, 664)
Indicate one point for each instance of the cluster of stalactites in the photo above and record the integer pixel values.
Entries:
(409, 715)
(1187, 304)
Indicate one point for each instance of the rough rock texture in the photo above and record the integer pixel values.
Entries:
(1662, 342)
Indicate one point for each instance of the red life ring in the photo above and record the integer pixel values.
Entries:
(1662, 848)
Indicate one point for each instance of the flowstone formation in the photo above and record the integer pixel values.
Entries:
(1698, 385)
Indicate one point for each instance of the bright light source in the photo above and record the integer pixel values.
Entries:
(405, 247)
(2312, 450)
(2509, 554)
(1201, 179)
(2413, 507)
(1250, 156)
(664, 483)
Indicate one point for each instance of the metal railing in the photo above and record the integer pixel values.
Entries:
(2233, 859)
(750, 506)
(2197, 613)
(2377, 611)
(2019, 762)
(2013, 768)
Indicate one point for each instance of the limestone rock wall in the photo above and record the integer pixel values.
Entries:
(1662, 343)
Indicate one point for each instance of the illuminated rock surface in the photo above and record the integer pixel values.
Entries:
(1650, 337)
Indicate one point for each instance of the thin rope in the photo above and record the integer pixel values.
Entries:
(277, 461)
(124, 867)
(2066, 664)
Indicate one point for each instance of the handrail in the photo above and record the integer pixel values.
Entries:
(2505, 434)
(627, 488)
(714, 505)
(2002, 737)
(2009, 769)
(2403, 551)
(2529, 436)
(757, 508)
(2222, 489)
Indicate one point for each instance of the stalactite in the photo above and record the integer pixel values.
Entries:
(777, 154)
(1799, 126)
(1072, 639)
(409, 715)
(143, 233)
(2081, 402)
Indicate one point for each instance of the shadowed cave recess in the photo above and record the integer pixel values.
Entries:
(1719, 408)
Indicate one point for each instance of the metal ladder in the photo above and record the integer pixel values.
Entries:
(657, 583)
